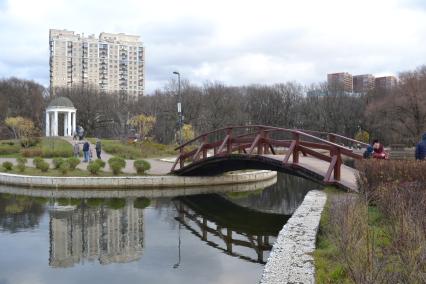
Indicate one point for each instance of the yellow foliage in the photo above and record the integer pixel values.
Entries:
(143, 124)
(187, 132)
(362, 136)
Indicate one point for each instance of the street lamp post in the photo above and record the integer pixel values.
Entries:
(179, 107)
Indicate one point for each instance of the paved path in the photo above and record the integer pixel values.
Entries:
(158, 167)
(347, 174)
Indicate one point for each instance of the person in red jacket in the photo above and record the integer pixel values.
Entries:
(378, 150)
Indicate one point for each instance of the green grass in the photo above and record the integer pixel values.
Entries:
(138, 150)
(57, 173)
(55, 147)
(48, 147)
(328, 268)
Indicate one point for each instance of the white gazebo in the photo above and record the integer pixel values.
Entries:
(57, 106)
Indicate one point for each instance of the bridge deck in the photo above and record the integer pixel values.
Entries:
(348, 174)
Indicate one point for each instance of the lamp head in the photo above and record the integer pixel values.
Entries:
(176, 72)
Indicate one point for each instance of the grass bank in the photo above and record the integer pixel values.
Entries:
(379, 235)
(46, 147)
(137, 150)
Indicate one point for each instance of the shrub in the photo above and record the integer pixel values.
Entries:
(21, 167)
(49, 153)
(141, 166)
(116, 203)
(93, 168)
(73, 162)
(43, 166)
(141, 202)
(100, 163)
(7, 166)
(31, 152)
(57, 162)
(116, 164)
(37, 161)
(64, 167)
(21, 160)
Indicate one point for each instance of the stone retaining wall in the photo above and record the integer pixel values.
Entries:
(291, 259)
(139, 182)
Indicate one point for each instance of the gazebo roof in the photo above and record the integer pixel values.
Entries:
(61, 102)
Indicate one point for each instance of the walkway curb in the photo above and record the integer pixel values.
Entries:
(129, 182)
(291, 259)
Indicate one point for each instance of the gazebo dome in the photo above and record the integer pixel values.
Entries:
(61, 102)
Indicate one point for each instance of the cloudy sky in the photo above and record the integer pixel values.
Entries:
(236, 42)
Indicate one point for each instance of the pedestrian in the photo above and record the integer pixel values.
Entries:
(378, 150)
(81, 133)
(368, 152)
(98, 148)
(76, 149)
(86, 150)
(421, 148)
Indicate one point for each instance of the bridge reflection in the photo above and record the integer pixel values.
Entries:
(98, 234)
(233, 229)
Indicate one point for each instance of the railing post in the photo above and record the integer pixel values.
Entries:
(229, 144)
(266, 143)
(331, 138)
(338, 165)
(181, 161)
(259, 143)
(296, 148)
(204, 148)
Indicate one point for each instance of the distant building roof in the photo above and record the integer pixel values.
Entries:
(61, 102)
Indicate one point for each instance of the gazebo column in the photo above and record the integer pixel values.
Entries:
(55, 123)
(69, 124)
(47, 123)
(65, 123)
(74, 121)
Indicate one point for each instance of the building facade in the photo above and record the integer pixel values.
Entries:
(385, 83)
(340, 82)
(109, 63)
(363, 83)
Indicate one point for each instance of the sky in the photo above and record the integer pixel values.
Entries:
(237, 42)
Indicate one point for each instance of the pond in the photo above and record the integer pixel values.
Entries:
(210, 238)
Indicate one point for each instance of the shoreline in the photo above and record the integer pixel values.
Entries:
(132, 182)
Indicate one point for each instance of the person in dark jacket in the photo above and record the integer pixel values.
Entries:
(421, 148)
(98, 148)
(86, 149)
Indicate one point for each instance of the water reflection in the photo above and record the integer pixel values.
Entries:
(99, 234)
(282, 197)
(67, 237)
(235, 230)
(19, 212)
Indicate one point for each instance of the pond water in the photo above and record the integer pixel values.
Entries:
(207, 238)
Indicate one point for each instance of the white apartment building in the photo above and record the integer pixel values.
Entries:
(110, 63)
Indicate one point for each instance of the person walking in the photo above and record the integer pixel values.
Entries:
(98, 148)
(76, 149)
(421, 148)
(86, 149)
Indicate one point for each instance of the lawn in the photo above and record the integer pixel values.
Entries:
(47, 147)
(137, 150)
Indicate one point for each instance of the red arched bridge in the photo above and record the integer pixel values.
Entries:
(310, 154)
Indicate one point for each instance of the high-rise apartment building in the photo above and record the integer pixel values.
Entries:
(110, 63)
(363, 83)
(385, 83)
(340, 82)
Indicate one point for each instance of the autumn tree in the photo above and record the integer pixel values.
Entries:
(23, 129)
(187, 132)
(143, 124)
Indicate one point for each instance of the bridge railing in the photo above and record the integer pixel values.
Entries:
(259, 140)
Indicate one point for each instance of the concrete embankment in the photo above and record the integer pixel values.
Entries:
(133, 182)
(291, 259)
